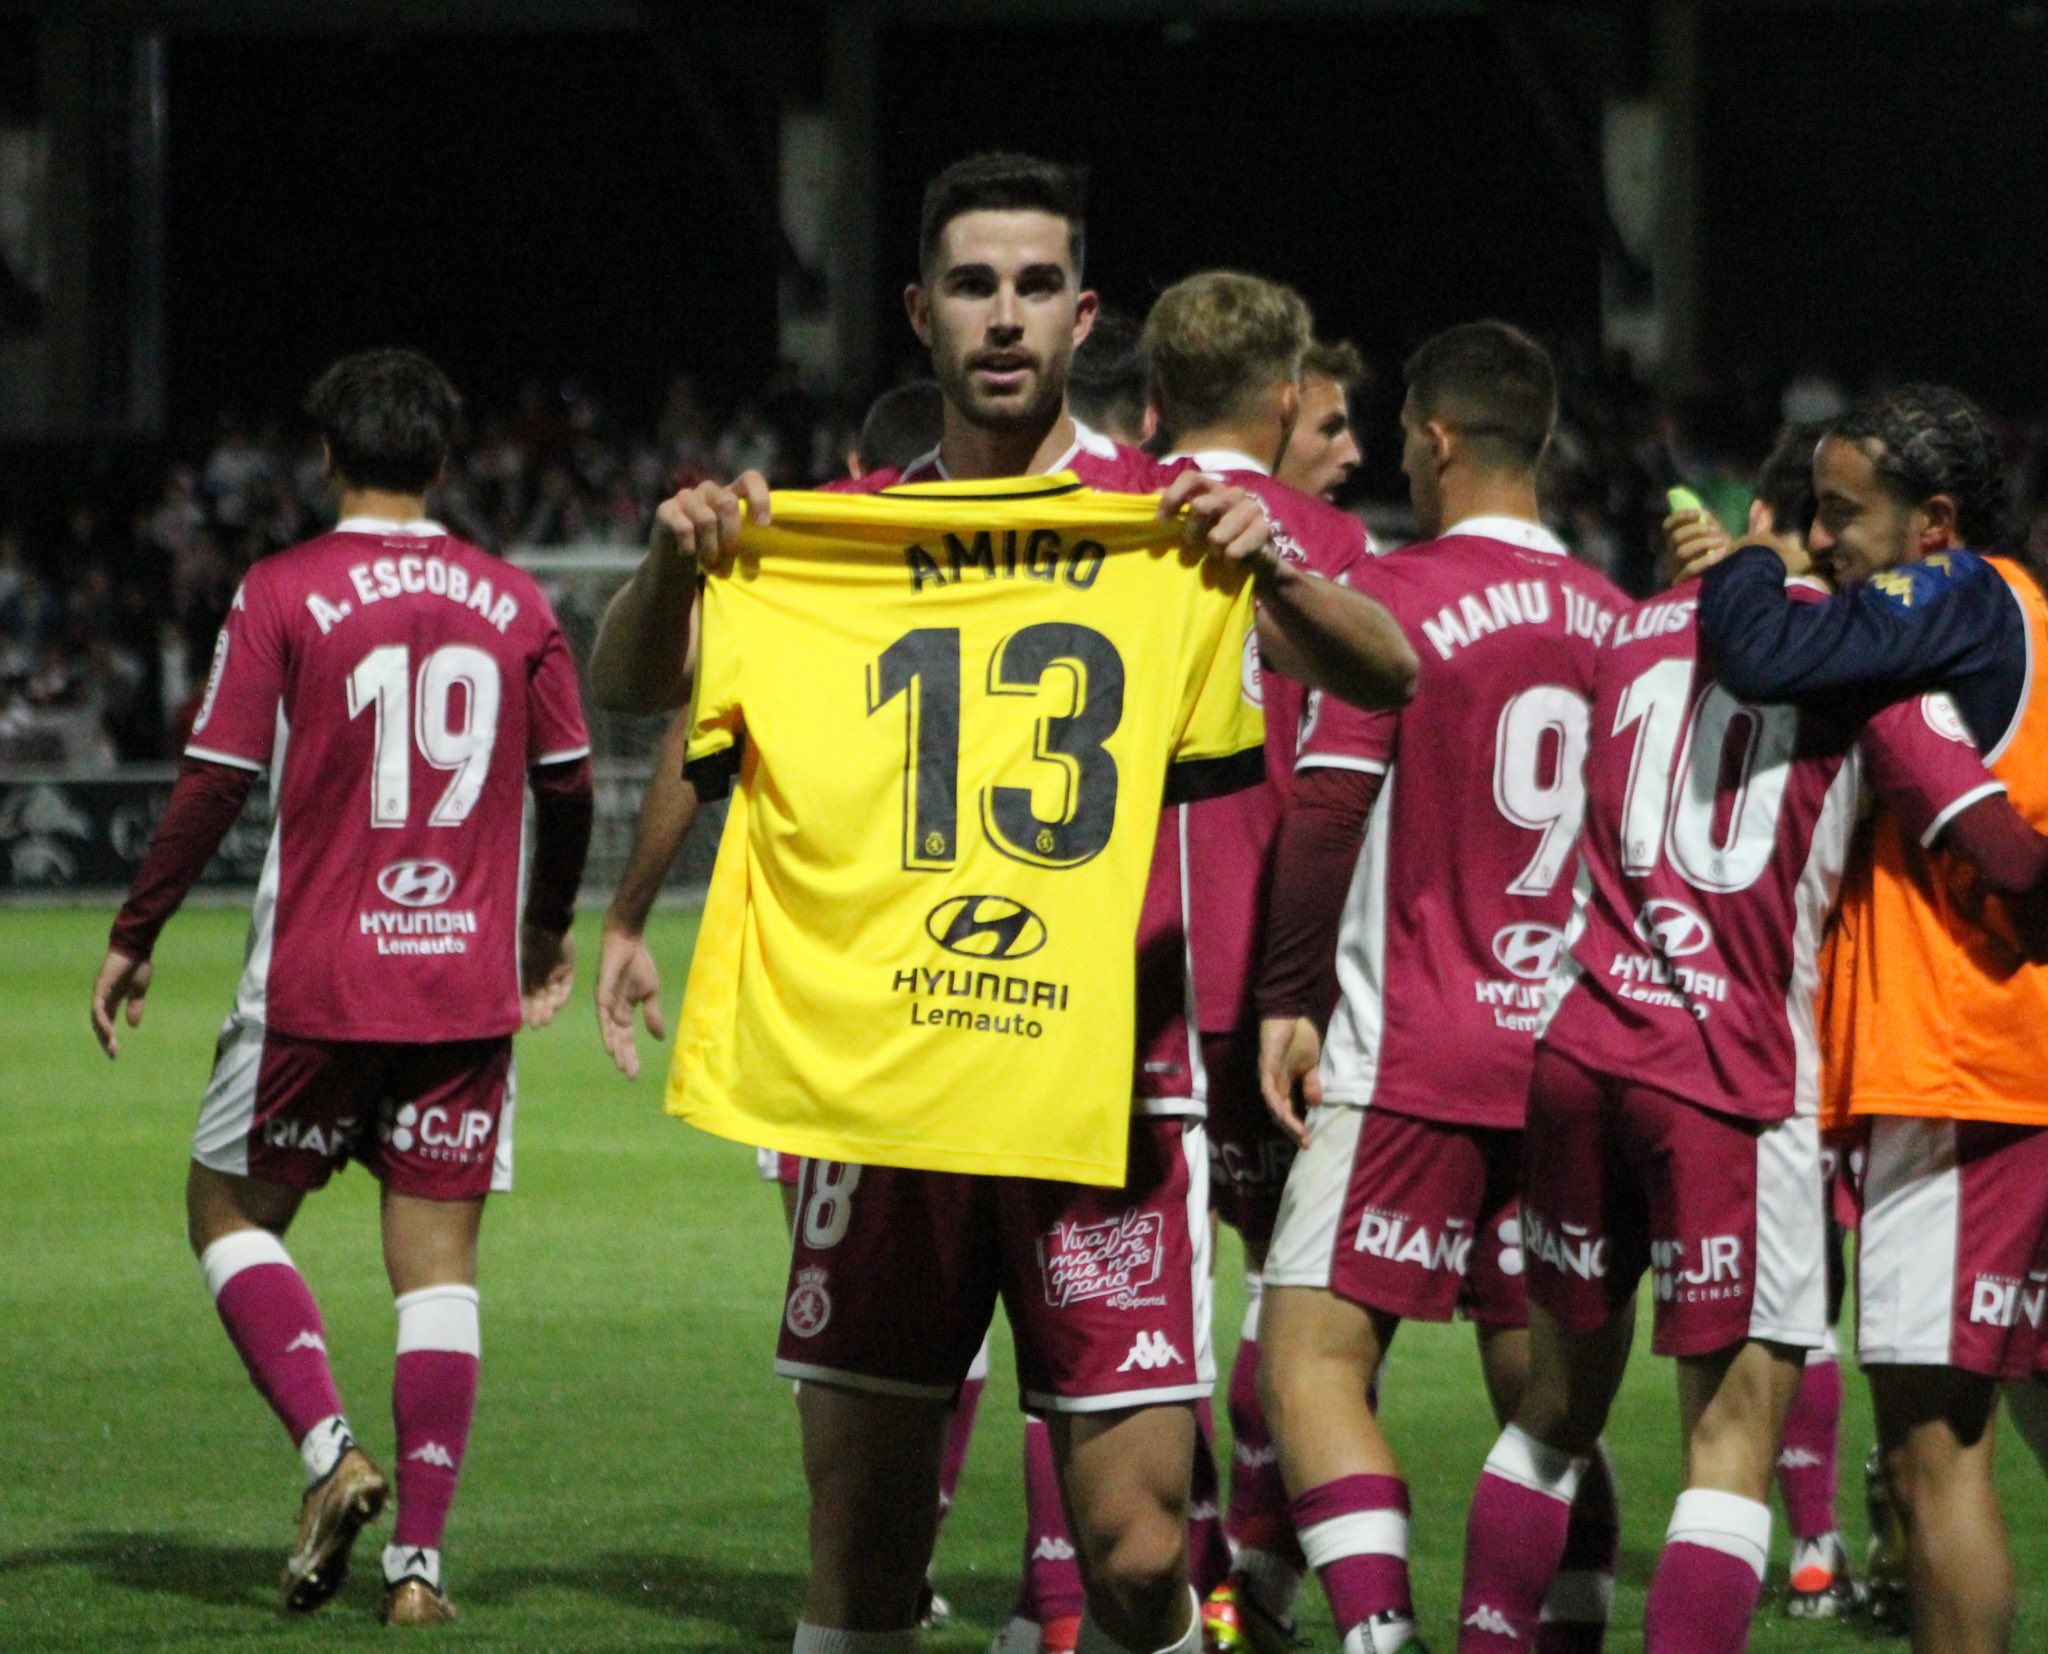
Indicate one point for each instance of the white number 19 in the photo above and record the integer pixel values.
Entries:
(382, 680)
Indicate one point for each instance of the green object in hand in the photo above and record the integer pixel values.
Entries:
(1684, 499)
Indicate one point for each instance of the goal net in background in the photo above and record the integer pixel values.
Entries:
(579, 581)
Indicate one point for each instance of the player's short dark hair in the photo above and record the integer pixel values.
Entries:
(1784, 482)
(903, 423)
(1000, 181)
(1217, 339)
(388, 417)
(1493, 384)
(1110, 381)
(1929, 439)
(1337, 359)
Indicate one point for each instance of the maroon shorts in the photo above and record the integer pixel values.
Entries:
(896, 1273)
(1411, 1217)
(1952, 1270)
(1249, 1154)
(1728, 1216)
(428, 1120)
(777, 1167)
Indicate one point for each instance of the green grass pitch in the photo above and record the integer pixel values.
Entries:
(632, 1479)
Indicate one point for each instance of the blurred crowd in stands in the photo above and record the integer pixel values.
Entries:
(109, 609)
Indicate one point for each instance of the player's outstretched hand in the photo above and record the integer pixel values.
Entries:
(703, 523)
(547, 971)
(626, 978)
(1223, 521)
(1290, 1057)
(1693, 543)
(121, 981)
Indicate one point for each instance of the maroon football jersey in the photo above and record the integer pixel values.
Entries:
(1229, 841)
(397, 684)
(1715, 837)
(1458, 902)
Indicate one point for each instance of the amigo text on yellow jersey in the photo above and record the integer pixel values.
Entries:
(953, 712)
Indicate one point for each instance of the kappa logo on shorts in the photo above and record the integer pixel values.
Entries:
(1052, 1548)
(985, 927)
(1530, 951)
(1115, 1260)
(810, 1305)
(1149, 1352)
(1672, 929)
(417, 883)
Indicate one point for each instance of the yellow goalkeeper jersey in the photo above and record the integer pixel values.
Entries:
(953, 712)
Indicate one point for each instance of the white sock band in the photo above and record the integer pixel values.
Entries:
(1520, 1458)
(227, 1257)
(820, 1639)
(1254, 1301)
(1722, 1522)
(977, 1369)
(440, 1318)
(1830, 1349)
(1094, 1640)
(1357, 1533)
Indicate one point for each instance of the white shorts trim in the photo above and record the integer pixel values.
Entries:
(227, 1108)
(1906, 1257)
(1039, 1401)
(1305, 1234)
(1790, 1301)
(836, 1379)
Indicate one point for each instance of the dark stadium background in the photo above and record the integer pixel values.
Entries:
(540, 203)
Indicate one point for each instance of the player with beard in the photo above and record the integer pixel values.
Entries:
(1673, 1111)
(1949, 1071)
(900, 424)
(999, 302)
(1226, 351)
(1423, 858)
(1323, 451)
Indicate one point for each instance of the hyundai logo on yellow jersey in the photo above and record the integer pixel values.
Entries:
(985, 927)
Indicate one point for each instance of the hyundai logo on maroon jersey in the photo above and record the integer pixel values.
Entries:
(1529, 950)
(985, 927)
(417, 883)
(1673, 929)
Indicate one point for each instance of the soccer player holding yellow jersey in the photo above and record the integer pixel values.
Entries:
(1000, 303)
(1950, 1071)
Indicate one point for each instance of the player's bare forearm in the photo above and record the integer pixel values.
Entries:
(640, 662)
(1332, 638)
(646, 647)
(665, 817)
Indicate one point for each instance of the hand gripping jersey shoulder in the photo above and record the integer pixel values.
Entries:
(951, 712)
